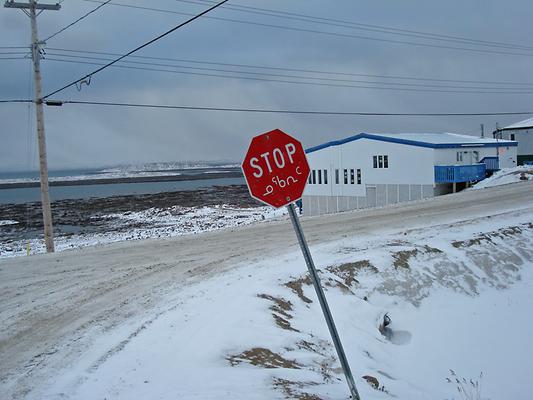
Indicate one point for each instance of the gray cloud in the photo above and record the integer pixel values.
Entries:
(88, 136)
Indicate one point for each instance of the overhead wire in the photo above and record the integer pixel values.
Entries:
(313, 78)
(76, 21)
(285, 111)
(5, 101)
(360, 26)
(289, 81)
(136, 49)
(12, 52)
(336, 34)
(265, 67)
(54, 102)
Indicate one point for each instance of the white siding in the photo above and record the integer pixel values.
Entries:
(508, 156)
(469, 154)
(407, 165)
(524, 138)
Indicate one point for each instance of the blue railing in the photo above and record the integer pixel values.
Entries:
(492, 163)
(459, 173)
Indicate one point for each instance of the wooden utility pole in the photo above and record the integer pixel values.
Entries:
(30, 9)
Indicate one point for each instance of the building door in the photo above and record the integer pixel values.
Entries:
(371, 196)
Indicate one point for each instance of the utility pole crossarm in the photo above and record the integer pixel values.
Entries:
(27, 6)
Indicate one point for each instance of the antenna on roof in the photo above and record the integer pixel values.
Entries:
(482, 130)
(497, 133)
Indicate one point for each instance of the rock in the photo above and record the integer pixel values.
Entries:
(372, 381)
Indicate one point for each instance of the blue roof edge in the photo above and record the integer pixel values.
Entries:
(408, 142)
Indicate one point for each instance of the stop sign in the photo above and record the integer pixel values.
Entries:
(275, 168)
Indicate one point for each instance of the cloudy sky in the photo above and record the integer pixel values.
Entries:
(464, 56)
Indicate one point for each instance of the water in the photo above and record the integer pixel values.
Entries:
(26, 195)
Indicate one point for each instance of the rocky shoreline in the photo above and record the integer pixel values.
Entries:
(92, 215)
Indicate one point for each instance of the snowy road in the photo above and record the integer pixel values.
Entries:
(54, 306)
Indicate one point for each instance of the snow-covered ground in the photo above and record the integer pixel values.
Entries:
(506, 176)
(454, 273)
(147, 224)
(459, 295)
(6, 222)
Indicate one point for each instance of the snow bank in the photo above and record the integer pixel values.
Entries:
(459, 295)
(6, 222)
(506, 176)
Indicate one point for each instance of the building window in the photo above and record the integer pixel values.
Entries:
(314, 177)
(459, 156)
(352, 176)
(358, 176)
(336, 176)
(319, 176)
(310, 180)
(345, 176)
(381, 161)
(325, 177)
(513, 136)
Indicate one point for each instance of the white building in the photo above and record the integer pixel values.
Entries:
(369, 170)
(522, 132)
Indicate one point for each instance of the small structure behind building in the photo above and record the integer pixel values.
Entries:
(522, 132)
(372, 170)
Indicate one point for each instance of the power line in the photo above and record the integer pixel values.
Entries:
(263, 67)
(13, 52)
(5, 101)
(136, 49)
(361, 26)
(524, 85)
(75, 22)
(336, 34)
(281, 111)
(312, 78)
(288, 81)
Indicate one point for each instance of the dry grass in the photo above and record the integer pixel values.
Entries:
(280, 306)
(283, 323)
(488, 237)
(293, 390)
(348, 271)
(401, 258)
(296, 286)
(261, 357)
(280, 311)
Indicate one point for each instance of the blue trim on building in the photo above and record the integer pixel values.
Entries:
(409, 142)
(492, 163)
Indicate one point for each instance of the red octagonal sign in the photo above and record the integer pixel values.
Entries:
(275, 168)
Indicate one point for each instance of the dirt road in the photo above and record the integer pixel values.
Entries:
(53, 307)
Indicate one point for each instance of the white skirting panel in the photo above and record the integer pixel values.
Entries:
(376, 196)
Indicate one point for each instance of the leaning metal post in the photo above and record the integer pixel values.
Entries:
(323, 302)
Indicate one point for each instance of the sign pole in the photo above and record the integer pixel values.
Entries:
(323, 302)
(276, 171)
